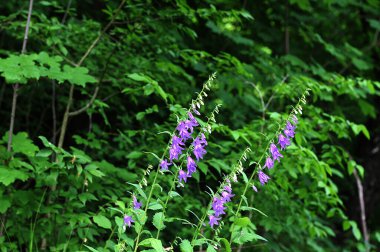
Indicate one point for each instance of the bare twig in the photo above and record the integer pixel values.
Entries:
(83, 109)
(66, 12)
(362, 209)
(16, 87)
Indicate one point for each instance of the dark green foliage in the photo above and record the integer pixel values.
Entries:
(140, 76)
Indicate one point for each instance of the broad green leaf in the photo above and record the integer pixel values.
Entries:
(185, 246)
(8, 176)
(77, 76)
(102, 221)
(158, 221)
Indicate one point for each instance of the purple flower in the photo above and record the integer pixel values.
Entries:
(254, 188)
(228, 189)
(263, 177)
(213, 220)
(191, 166)
(283, 141)
(164, 165)
(226, 196)
(269, 163)
(289, 130)
(176, 148)
(184, 130)
(199, 145)
(217, 206)
(193, 121)
(182, 176)
(136, 204)
(128, 220)
(276, 155)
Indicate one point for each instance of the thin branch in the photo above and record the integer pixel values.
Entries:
(83, 109)
(362, 209)
(16, 87)
(66, 12)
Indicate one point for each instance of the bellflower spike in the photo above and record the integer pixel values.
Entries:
(136, 204)
(276, 155)
(164, 165)
(283, 141)
(269, 163)
(191, 166)
(199, 145)
(182, 176)
(263, 177)
(176, 148)
(213, 220)
(128, 220)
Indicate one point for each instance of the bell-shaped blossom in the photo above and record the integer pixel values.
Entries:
(218, 207)
(213, 220)
(193, 122)
(283, 141)
(263, 177)
(191, 166)
(276, 155)
(184, 131)
(136, 204)
(228, 188)
(269, 163)
(128, 220)
(199, 144)
(176, 148)
(289, 130)
(164, 165)
(182, 176)
(226, 196)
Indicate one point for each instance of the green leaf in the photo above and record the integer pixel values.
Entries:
(4, 205)
(242, 222)
(158, 221)
(154, 243)
(102, 221)
(77, 75)
(22, 144)
(91, 248)
(226, 243)
(8, 176)
(210, 248)
(185, 246)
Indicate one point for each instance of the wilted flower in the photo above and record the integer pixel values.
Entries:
(276, 155)
(283, 141)
(269, 163)
(128, 220)
(191, 166)
(136, 204)
(213, 220)
(263, 177)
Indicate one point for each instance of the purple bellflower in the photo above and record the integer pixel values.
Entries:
(176, 148)
(136, 204)
(213, 220)
(182, 176)
(164, 165)
(191, 166)
(269, 163)
(184, 130)
(263, 177)
(289, 130)
(283, 141)
(226, 196)
(199, 147)
(128, 220)
(217, 206)
(276, 155)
